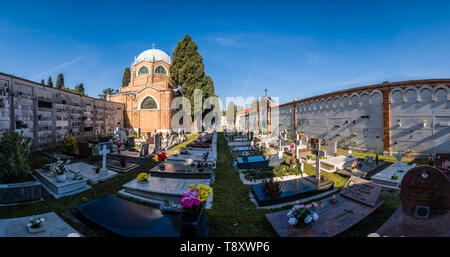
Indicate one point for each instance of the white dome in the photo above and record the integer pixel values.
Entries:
(152, 55)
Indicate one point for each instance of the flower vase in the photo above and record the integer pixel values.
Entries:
(61, 178)
(192, 215)
(303, 225)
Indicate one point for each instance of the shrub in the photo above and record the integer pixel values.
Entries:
(70, 143)
(14, 156)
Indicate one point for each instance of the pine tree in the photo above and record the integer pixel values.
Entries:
(50, 81)
(126, 77)
(232, 108)
(60, 81)
(187, 70)
(108, 91)
(79, 89)
(43, 82)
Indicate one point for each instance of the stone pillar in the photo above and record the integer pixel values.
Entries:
(386, 120)
(295, 119)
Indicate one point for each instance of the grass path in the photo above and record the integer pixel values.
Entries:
(233, 214)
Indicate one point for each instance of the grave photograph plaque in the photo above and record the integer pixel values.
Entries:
(361, 190)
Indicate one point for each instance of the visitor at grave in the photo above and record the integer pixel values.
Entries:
(430, 160)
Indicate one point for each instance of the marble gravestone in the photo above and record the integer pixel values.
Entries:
(89, 172)
(425, 207)
(157, 141)
(331, 149)
(361, 190)
(425, 186)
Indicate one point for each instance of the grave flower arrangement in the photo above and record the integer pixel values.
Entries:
(142, 177)
(59, 167)
(354, 163)
(161, 156)
(302, 214)
(192, 199)
(35, 222)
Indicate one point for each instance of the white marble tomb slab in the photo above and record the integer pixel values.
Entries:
(53, 226)
(158, 189)
(60, 189)
(88, 171)
(331, 164)
(384, 177)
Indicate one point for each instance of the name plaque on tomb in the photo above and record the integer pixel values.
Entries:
(425, 186)
(361, 190)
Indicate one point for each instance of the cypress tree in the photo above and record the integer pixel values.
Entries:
(50, 81)
(187, 70)
(60, 81)
(42, 82)
(79, 89)
(126, 77)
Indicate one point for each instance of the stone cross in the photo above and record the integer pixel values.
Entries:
(280, 152)
(318, 154)
(399, 156)
(104, 152)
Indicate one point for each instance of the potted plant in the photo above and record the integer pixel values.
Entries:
(161, 157)
(142, 177)
(193, 201)
(302, 215)
(70, 143)
(59, 169)
(35, 222)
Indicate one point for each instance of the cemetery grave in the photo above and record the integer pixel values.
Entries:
(195, 171)
(93, 173)
(337, 213)
(362, 168)
(53, 226)
(70, 186)
(392, 176)
(81, 152)
(136, 220)
(425, 206)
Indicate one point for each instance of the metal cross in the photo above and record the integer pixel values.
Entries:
(344, 213)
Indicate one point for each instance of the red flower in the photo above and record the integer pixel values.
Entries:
(161, 156)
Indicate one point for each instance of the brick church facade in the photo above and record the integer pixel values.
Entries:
(149, 95)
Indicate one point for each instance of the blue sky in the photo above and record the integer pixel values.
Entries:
(296, 49)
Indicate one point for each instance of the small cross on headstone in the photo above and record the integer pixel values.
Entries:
(104, 152)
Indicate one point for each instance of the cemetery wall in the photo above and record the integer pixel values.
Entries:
(407, 116)
(47, 114)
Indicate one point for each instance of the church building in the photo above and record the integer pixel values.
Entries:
(149, 95)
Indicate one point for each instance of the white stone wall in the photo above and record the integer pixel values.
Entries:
(409, 109)
(357, 119)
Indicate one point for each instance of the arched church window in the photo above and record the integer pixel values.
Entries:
(160, 69)
(143, 70)
(149, 103)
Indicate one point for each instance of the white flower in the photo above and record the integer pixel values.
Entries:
(315, 216)
(293, 221)
(308, 219)
(290, 214)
